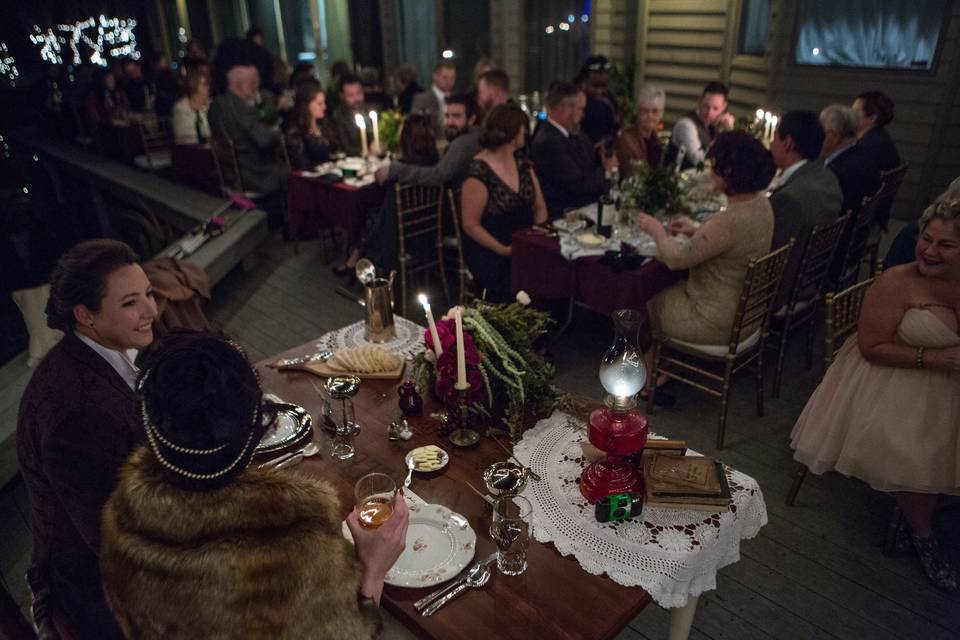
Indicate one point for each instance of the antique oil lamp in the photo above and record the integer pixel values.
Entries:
(618, 429)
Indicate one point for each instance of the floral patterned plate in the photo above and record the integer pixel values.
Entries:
(440, 544)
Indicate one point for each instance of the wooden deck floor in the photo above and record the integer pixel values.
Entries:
(815, 571)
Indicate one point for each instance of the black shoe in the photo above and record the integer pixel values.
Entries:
(936, 564)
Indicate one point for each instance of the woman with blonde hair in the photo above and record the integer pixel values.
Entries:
(887, 410)
(189, 114)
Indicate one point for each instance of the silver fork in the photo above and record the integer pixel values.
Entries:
(424, 602)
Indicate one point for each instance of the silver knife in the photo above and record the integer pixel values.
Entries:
(426, 601)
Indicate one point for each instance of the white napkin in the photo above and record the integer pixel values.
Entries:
(571, 249)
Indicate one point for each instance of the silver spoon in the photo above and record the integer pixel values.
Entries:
(411, 464)
(477, 577)
(311, 449)
(365, 270)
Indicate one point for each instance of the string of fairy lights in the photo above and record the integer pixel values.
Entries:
(97, 40)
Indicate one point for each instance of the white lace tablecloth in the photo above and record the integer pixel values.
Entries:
(672, 554)
(408, 343)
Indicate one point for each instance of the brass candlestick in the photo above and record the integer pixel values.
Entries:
(462, 435)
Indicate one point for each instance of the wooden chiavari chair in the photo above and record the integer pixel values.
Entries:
(419, 231)
(746, 346)
(156, 138)
(803, 301)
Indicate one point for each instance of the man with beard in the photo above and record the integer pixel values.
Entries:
(461, 131)
(493, 89)
(564, 159)
(352, 102)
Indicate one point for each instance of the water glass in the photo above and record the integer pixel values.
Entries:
(373, 495)
(342, 447)
(510, 530)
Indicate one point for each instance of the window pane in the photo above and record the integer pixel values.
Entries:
(889, 34)
(754, 24)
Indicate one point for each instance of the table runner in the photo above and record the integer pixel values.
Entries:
(672, 554)
(408, 343)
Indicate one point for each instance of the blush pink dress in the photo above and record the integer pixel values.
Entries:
(897, 429)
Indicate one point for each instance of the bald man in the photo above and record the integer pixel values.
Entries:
(233, 117)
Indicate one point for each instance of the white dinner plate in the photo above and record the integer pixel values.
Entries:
(440, 544)
(444, 461)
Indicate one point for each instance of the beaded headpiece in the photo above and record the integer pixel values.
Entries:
(158, 443)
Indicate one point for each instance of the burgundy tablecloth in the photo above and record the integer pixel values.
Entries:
(193, 164)
(539, 269)
(310, 200)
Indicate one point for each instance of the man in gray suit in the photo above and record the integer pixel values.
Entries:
(234, 118)
(464, 137)
(804, 193)
(432, 101)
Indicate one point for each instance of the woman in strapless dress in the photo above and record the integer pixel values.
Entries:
(888, 409)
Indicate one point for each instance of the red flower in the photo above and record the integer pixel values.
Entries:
(447, 368)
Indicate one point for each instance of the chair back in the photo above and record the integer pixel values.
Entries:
(758, 294)
(419, 231)
(461, 265)
(890, 182)
(225, 161)
(815, 262)
(858, 234)
(156, 138)
(842, 315)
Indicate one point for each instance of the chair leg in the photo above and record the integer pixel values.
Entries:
(654, 373)
(725, 401)
(798, 475)
(759, 381)
(781, 356)
(403, 288)
(811, 332)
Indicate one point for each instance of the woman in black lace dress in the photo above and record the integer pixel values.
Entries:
(308, 143)
(500, 195)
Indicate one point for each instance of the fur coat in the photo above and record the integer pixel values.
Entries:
(262, 557)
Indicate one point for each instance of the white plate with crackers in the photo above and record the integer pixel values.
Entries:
(428, 459)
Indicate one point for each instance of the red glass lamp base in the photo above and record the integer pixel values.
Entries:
(618, 434)
(609, 476)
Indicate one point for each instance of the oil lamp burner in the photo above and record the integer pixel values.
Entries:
(618, 429)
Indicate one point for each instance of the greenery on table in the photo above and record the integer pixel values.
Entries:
(516, 377)
(653, 189)
(621, 86)
(753, 126)
(390, 123)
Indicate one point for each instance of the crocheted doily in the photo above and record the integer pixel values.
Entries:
(672, 554)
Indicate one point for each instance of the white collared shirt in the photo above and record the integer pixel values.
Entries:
(566, 134)
(833, 156)
(781, 178)
(121, 361)
(441, 98)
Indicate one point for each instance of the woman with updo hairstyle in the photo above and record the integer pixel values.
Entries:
(77, 424)
(199, 544)
(307, 138)
(888, 408)
(702, 308)
(500, 195)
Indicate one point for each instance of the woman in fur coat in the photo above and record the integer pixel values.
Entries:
(196, 545)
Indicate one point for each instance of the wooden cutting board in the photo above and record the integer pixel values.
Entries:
(324, 370)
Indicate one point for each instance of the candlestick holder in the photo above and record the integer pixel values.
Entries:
(461, 434)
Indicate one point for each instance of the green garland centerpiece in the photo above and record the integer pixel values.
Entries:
(654, 190)
(508, 378)
(390, 123)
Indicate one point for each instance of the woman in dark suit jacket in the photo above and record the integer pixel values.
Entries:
(77, 424)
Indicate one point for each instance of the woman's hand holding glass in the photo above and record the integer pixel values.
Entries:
(378, 549)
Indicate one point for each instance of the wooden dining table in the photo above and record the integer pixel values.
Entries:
(553, 598)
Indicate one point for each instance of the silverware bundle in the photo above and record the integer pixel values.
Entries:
(476, 576)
